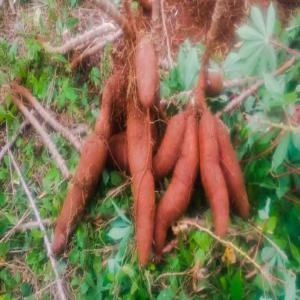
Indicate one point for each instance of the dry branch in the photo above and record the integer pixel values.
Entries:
(33, 225)
(94, 49)
(13, 140)
(108, 8)
(156, 25)
(47, 116)
(44, 136)
(253, 88)
(81, 39)
(237, 82)
(50, 255)
(15, 228)
(163, 19)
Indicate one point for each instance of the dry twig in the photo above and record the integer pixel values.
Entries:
(33, 225)
(108, 8)
(163, 19)
(81, 39)
(47, 116)
(44, 136)
(15, 228)
(94, 49)
(50, 255)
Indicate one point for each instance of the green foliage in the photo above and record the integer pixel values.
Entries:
(257, 54)
(185, 74)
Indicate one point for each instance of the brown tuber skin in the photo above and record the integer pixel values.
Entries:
(146, 69)
(177, 197)
(139, 141)
(232, 171)
(92, 161)
(214, 83)
(118, 151)
(169, 149)
(211, 173)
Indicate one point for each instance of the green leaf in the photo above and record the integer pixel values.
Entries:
(237, 287)
(188, 65)
(3, 250)
(105, 177)
(280, 152)
(272, 58)
(203, 240)
(120, 213)
(249, 48)
(258, 20)
(296, 139)
(26, 289)
(284, 186)
(290, 286)
(270, 225)
(273, 86)
(115, 178)
(295, 252)
(270, 26)
(251, 63)
(118, 233)
(249, 33)
(166, 294)
(264, 213)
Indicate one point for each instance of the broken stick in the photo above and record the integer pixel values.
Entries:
(66, 133)
(44, 136)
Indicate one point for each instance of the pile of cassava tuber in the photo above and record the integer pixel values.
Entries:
(133, 132)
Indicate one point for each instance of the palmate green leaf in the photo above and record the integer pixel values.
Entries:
(273, 86)
(249, 33)
(272, 58)
(258, 20)
(188, 65)
(281, 152)
(251, 63)
(267, 60)
(249, 48)
(270, 24)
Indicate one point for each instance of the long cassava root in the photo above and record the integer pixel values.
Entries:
(139, 145)
(177, 197)
(92, 161)
(211, 173)
(232, 171)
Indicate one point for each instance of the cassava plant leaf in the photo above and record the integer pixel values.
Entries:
(280, 152)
